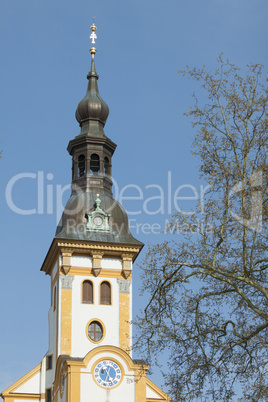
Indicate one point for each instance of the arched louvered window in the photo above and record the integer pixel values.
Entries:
(87, 292)
(95, 164)
(81, 165)
(105, 293)
(106, 165)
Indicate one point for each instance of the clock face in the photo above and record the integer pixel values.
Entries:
(98, 221)
(107, 374)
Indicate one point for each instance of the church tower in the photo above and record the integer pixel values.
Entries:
(90, 265)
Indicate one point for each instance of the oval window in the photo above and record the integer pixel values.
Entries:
(95, 331)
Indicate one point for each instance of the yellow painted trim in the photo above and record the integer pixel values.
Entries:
(93, 291)
(58, 370)
(110, 273)
(114, 360)
(111, 288)
(22, 381)
(140, 387)
(73, 383)
(124, 321)
(11, 397)
(155, 400)
(119, 352)
(7, 398)
(103, 328)
(66, 321)
(108, 248)
(57, 327)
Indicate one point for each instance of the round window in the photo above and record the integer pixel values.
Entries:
(95, 331)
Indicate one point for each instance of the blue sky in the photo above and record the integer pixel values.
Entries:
(44, 62)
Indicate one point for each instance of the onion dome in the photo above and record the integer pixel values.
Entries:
(92, 112)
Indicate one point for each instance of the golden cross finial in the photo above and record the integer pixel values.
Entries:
(93, 28)
(93, 36)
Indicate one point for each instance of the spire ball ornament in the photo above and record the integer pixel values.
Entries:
(93, 51)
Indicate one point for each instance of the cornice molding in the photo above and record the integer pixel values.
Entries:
(61, 246)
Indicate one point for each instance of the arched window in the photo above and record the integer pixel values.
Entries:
(55, 299)
(105, 293)
(81, 165)
(106, 165)
(87, 292)
(95, 164)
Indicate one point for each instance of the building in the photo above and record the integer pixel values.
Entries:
(90, 265)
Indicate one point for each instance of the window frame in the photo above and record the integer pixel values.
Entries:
(100, 293)
(97, 320)
(48, 390)
(49, 358)
(82, 292)
(94, 163)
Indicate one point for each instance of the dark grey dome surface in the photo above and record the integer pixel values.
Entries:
(92, 106)
(73, 221)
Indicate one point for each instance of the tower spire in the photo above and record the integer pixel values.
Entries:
(92, 112)
(91, 150)
(92, 153)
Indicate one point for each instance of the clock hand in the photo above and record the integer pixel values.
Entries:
(108, 374)
(110, 378)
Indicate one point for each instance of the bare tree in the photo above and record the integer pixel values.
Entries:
(207, 283)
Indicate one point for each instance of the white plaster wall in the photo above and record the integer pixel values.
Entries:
(43, 376)
(54, 271)
(82, 262)
(32, 386)
(83, 313)
(151, 394)
(125, 391)
(50, 377)
(58, 313)
(52, 325)
(112, 263)
(24, 400)
(130, 318)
